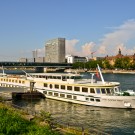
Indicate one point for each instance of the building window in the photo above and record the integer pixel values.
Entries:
(76, 88)
(56, 86)
(45, 84)
(69, 87)
(84, 89)
(92, 90)
(63, 87)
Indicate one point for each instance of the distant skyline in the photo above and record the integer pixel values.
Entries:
(100, 26)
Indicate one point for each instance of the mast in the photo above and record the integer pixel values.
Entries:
(101, 74)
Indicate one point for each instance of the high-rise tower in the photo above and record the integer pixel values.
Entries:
(55, 50)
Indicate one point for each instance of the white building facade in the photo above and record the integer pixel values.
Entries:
(73, 59)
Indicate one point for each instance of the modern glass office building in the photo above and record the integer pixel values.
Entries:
(55, 50)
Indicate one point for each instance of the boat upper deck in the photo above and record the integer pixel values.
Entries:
(68, 78)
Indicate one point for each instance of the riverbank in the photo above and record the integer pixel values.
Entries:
(103, 71)
(16, 121)
(13, 122)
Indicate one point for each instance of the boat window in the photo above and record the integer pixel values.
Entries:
(62, 95)
(50, 86)
(58, 77)
(63, 78)
(54, 77)
(22, 82)
(45, 84)
(97, 100)
(69, 87)
(84, 89)
(112, 90)
(12, 80)
(103, 90)
(50, 77)
(69, 96)
(108, 90)
(98, 90)
(56, 94)
(49, 93)
(45, 92)
(91, 99)
(116, 89)
(76, 88)
(74, 97)
(78, 77)
(72, 77)
(16, 81)
(56, 86)
(39, 76)
(63, 87)
(19, 81)
(87, 99)
(92, 90)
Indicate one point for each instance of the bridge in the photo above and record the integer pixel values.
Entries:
(38, 66)
(35, 64)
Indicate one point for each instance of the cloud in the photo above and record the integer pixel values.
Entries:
(71, 47)
(85, 50)
(88, 48)
(119, 37)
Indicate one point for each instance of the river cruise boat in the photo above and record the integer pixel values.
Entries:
(74, 88)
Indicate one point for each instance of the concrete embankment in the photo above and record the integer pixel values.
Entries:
(103, 71)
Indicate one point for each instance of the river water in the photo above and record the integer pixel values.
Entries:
(112, 121)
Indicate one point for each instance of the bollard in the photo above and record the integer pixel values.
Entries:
(82, 131)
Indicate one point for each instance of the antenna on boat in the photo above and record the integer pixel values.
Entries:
(92, 74)
(3, 72)
(27, 74)
(100, 74)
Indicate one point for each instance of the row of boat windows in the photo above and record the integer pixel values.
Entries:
(60, 95)
(81, 89)
(68, 96)
(56, 77)
(13, 80)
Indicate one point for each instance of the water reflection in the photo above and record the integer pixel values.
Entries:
(114, 121)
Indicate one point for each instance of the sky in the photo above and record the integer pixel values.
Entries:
(99, 26)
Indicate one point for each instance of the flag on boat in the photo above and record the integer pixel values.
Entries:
(97, 74)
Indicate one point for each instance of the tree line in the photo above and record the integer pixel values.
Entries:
(119, 63)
